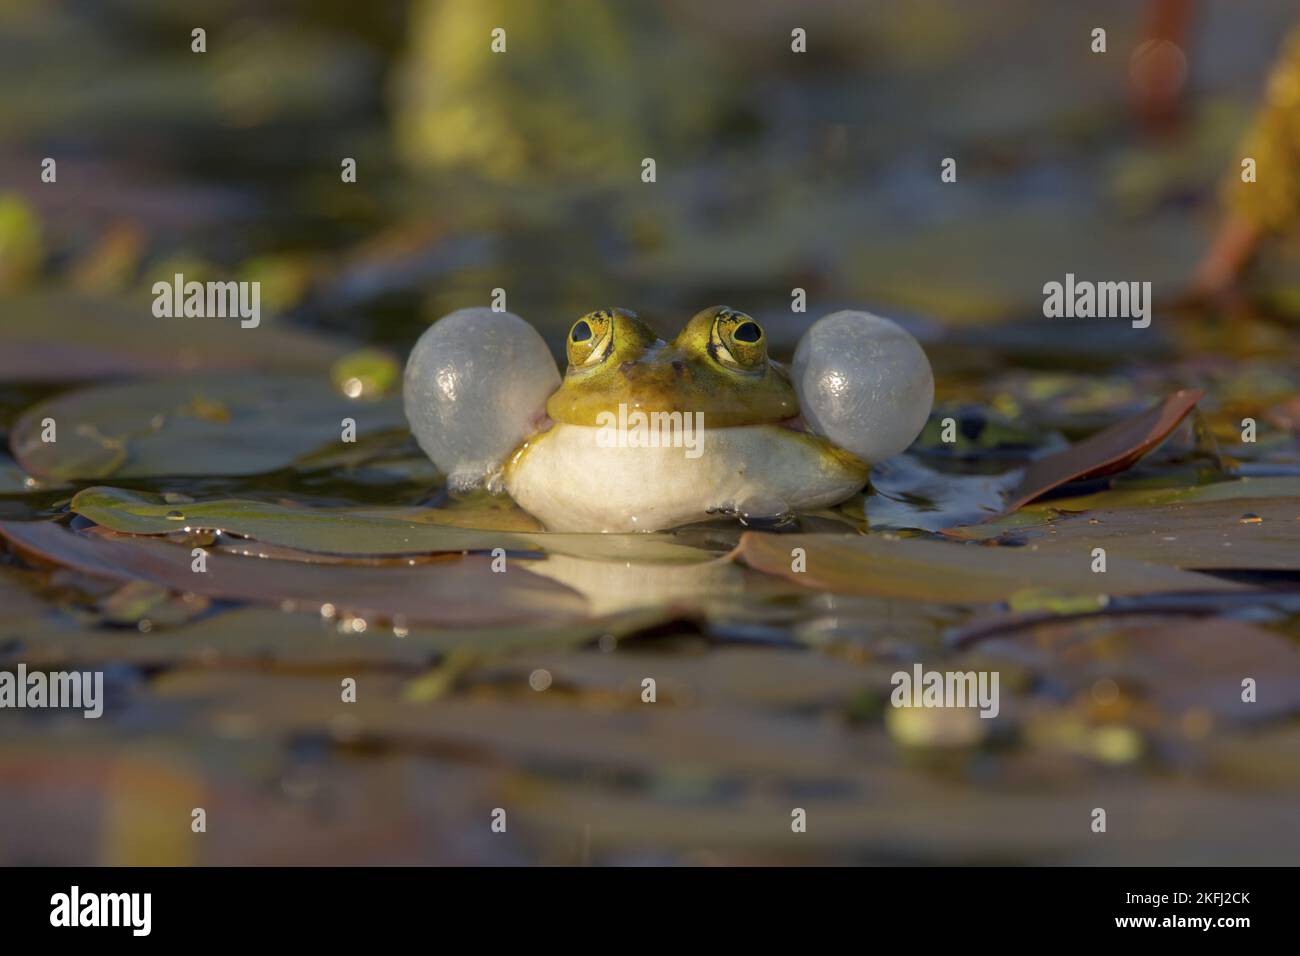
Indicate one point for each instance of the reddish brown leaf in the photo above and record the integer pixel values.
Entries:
(1109, 451)
(458, 593)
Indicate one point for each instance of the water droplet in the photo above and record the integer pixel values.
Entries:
(764, 512)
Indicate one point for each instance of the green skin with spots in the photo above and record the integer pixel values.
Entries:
(718, 365)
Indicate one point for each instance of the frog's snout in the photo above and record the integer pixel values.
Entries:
(864, 383)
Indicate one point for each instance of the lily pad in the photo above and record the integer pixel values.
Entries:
(1126, 494)
(255, 637)
(1235, 533)
(361, 531)
(213, 425)
(457, 592)
(929, 570)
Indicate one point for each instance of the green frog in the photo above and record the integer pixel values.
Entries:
(643, 434)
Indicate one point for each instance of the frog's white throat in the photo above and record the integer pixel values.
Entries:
(583, 478)
(634, 428)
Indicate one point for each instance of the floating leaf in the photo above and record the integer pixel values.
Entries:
(360, 531)
(1234, 533)
(1125, 494)
(462, 591)
(1107, 452)
(215, 425)
(957, 573)
(259, 636)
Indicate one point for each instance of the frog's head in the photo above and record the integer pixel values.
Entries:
(717, 366)
(479, 383)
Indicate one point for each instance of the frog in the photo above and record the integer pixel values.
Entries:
(641, 433)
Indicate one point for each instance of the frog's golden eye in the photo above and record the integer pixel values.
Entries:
(591, 339)
(738, 342)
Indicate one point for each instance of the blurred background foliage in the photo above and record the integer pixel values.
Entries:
(522, 170)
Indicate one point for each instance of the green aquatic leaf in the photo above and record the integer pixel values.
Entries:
(203, 425)
(365, 531)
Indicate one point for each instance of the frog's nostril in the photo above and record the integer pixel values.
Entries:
(581, 332)
(747, 332)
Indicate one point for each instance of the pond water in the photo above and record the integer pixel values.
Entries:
(198, 527)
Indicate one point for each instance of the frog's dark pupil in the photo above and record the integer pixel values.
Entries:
(581, 332)
(748, 332)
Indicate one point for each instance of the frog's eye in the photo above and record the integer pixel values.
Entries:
(591, 339)
(738, 342)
